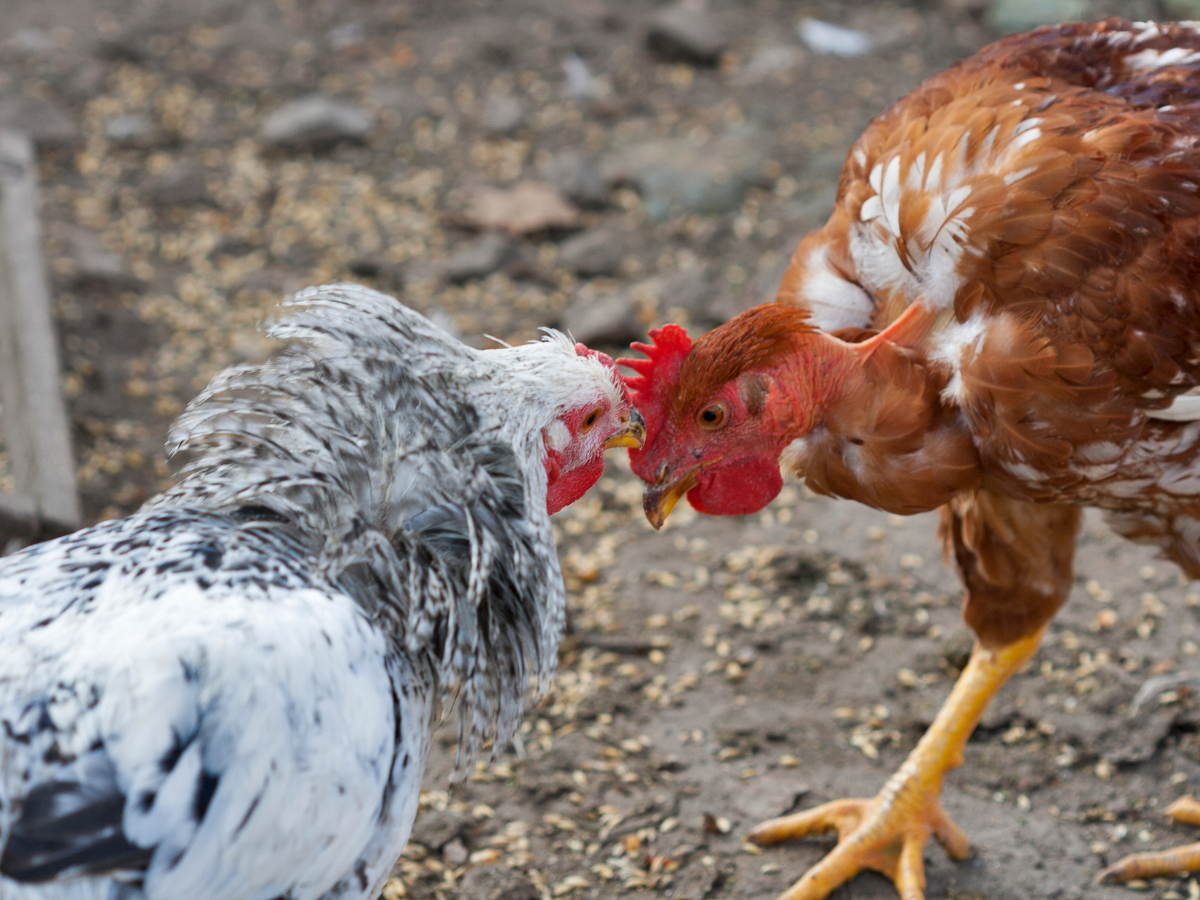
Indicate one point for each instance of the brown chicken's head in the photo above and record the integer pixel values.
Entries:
(718, 414)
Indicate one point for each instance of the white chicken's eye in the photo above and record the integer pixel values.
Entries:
(590, 420)
(711, 417)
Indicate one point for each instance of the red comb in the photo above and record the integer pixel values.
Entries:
(585, 350)
(651, 385)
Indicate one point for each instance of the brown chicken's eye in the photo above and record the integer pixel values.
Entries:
(590, 420)
(711, 417)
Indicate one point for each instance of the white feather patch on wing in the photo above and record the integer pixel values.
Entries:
(1184, 408)
(834, 301)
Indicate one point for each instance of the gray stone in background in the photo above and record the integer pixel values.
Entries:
(497, 882)
(349, 36)
(1009, 16)
(43, 120)
(315, 122)
(96, 266)
(182, 184)
(678, 175)
(608, 320)
(435, 828)
(593, 253)
(575, 176)
(503, 113)
(479, 259)
(134, 130)
(683, 33)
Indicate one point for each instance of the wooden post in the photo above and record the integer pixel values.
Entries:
(34, 419)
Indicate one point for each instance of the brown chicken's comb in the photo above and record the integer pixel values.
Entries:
(669, 348)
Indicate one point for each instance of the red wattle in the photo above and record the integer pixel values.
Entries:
(739, 489)
(569, 486)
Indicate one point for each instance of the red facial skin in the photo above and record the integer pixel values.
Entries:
(569, 474)
(739, 471)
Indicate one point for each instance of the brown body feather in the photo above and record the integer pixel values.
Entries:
(1039, 204)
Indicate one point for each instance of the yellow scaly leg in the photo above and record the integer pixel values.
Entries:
(888, 832)
(1164, 863)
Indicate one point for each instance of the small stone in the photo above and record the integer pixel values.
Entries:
(32, 41)
(768, 61)
(43, 120)
(455, 853)
(593, 253)
(434, 829)
(956, 651)
(576, 177)
(609, 320)
(184, 183)
(316, 121)
(1009, 16)
(526, 207)
(685, 34)
(98, 267)
(349, 36)
(479, 259)
(679, 175)
(503, 113)
(833, 40)
(133, 130)
(497, 883)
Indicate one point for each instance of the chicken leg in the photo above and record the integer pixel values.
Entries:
(888, 832)
(1161, 863)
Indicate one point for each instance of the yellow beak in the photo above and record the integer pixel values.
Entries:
(633, 435)
(660, 498)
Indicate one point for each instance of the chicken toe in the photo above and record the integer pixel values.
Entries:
(888, 832)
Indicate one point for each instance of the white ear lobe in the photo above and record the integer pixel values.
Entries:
(557, 436)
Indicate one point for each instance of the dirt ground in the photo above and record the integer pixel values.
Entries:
(721, 671)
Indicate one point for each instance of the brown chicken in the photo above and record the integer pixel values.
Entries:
(1000, 320)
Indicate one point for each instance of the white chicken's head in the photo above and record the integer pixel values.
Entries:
(596, 416)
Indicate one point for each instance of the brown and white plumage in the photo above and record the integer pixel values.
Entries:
(1001, 319)
(1039, 204)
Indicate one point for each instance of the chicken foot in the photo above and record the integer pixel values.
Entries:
(888, 832)
(1161, 863)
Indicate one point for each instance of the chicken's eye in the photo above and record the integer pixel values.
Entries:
(712, 417)
(590, 420)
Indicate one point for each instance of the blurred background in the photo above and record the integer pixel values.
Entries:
(600, 165)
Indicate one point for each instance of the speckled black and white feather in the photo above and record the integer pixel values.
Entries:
(230, 693)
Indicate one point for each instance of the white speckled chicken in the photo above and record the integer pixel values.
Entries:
(230, 693)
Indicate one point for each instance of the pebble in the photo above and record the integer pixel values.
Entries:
(349, 36)
(315, 121)
(1009, 16)
(479, 258)
(834, 40)
(96, 266)
(43, 120)
(573, 174)
(181, 184)
(768, 61)
(435, 828)
(526, 207)
(503, 114)
(133, 130)
(684, 33)
(609, 320)
(497, 883)
(593, 253)
(678, 174)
